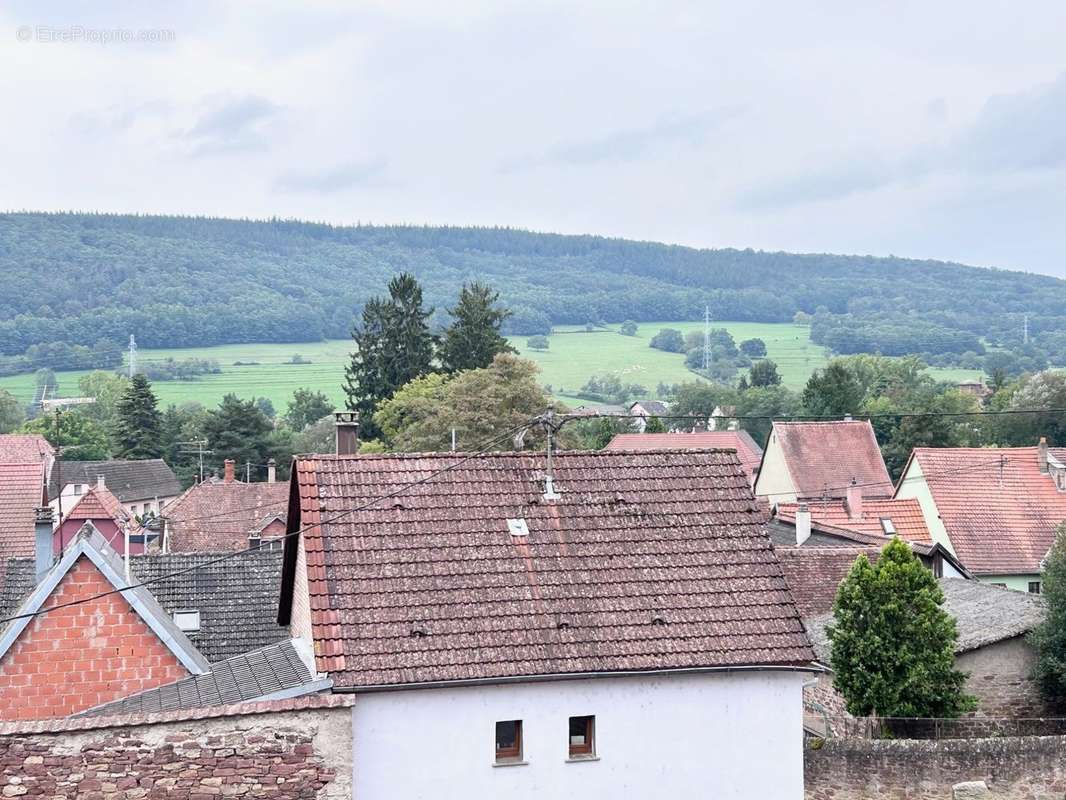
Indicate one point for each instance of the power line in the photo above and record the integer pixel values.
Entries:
(858, 416)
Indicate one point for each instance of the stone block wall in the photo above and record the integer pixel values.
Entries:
(299, 748)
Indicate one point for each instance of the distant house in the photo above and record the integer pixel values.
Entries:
(995, 508)
(747, 450)
(550, 635)
(992, 649)
(21, 493)
(142, 487)
(100, 507)
(226, 514)
(643, 410)
(723, 418)
(815, 460)
(974, 388)
(58, 659)
(876, 516)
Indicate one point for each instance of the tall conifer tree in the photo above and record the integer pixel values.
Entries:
(473, 339)
(137, 431)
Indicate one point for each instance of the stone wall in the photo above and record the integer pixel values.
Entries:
(300, 748)
(1014, 768)
(999, 678)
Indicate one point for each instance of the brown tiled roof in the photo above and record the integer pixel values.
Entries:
(906, 516)
(24, 448)
(215, 515)
(999, 510)
(747, 450)
(814, 573)
(648, 561)
(825, 457)
(21, 492)
(97, 503)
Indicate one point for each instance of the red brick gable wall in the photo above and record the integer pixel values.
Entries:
(75, 658)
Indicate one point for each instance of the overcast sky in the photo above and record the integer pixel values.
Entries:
(796, 126)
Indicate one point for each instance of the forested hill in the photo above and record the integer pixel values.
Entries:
(182, 281)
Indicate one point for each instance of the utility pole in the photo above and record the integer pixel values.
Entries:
(247, 471)
(1025, 329)
(133, 356)
(199, 452)
(706, 340)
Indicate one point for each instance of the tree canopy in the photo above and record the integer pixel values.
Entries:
(473, 338)
(1049, 638)
(137, 431)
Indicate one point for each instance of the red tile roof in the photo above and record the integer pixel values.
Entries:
(21, 492)
(906, 516)
(97, 503)
(24, 448)
(999, 510)
(747, 450)
(814, 573)
(648, 561)
(216, 516)
(824, 457)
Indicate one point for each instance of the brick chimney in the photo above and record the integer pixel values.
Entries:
(853, 501)
(42, 535)
(272, 471)
(347, 432)
(228, 475)
(803, 524)
(1041, 455)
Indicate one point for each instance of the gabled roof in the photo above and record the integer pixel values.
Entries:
(275, 672)
(91, 545)
(654, 407)
(97, 503)
(21, 493)
(646, 562)
(905, 514)
(984, 614)
(1000, 512)
(747, 450)
(237, 598)
(129, 480)
(214, 516)
(823, 458)
(25, 448)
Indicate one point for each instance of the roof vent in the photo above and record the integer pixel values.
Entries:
(517, 527)
(187, 620)
(418, 631)
(398, 504)
(658, 619)
(619, 499)
(562, 623)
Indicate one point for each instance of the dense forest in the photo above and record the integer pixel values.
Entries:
(90, 279)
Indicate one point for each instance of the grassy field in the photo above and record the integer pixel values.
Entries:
(573, 356)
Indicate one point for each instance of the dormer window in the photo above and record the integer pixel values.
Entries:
(888, 526)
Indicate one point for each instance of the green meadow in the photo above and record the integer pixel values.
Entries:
(573, 356)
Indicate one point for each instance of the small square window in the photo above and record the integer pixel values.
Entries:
(254, 543)
(888, 527)
(1034, 587)
(582, 737)
(509, 740)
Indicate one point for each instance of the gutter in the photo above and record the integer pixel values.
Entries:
(813, 667)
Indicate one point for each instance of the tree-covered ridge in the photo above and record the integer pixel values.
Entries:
(188, 281)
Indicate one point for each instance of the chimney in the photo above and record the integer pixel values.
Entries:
(228, 478)
(42, 534)
(100, 483)
(1041, 455)
(272, 471)
(347, 432)
(848, 418)
(803, 524)
(853, 500)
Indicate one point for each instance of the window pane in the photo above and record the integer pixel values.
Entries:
(582, 730)
(509, 740)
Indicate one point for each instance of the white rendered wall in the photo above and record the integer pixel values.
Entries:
(726, 736)
(774, 481)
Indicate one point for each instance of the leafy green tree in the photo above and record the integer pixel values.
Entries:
(473, 339)
(78, 438)
(764, 373)
(266, 406)
(11, 414)
(755, 348)
(411, 405)
(760, 404)
(237, 429)
(537, 342)
(596, 434)
(393, 346)
(893, 644)
(654, 425)
(108, 388)
(1049, 638)
(137, 431)
(832, 392)
(668, 339)
(698, 400)
(182, 425)
(628, 328)
(306, 408)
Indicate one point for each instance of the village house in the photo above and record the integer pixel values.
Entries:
(643, 410)
(100, 507)
(875, 516)
(223, 514)
(746, 449)
(806, 461)
(524, 628)
(995, 508)
(142, 487)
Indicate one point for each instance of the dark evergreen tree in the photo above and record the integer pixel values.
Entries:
(832, 392)
(137, 431)
(1049, 638)
(473, 339)
(237, 429)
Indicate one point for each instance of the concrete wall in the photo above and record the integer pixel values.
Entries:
(300, 750)
(1015, 768)
(774, 481)
(728, 736)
